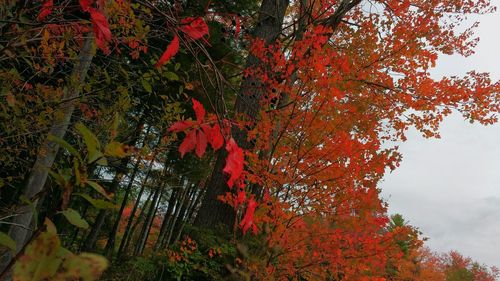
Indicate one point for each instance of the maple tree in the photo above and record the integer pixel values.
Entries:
(266, 120)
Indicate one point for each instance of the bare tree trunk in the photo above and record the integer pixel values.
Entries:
(176, 217)
(138, 221)
(110, 244)
(121, 171)
(139, 248)
(48, 150)
(212, 211)
(129, 228)
(166, 219)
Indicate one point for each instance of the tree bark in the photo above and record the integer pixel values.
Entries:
(147, 222)
(110, 244)
(121, 171)
(128, 228)
(48, 150)
(212, 212)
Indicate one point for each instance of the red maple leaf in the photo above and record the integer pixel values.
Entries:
(234, 162)
(180, 126)
(102, 33)
(201, 143)
(199, 110)
(188, 144)
(46, 10)
(241, 197)
(195, 28)
(215, 138)
(171, 51)
(86, 5)
(247, 220)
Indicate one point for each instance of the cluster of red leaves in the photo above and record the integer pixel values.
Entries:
(200, 132)
(102, 32)
(194, 28)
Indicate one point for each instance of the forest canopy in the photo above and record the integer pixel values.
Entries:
(224, 140)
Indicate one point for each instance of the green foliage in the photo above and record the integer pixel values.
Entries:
(46, 259)
(6, 241)
(75, 218)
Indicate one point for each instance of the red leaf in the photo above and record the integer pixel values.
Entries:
(86, 5)
(199, 110)
(101, 29)
(238, 27)
(201, 144)
(46, 9)
(194, 27)
(215, 138)
(234, 162)
(171, 50)
(180, 126)
(240, 198)
(188, 144)
(247, 220)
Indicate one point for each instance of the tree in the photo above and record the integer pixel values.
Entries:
(290, 120)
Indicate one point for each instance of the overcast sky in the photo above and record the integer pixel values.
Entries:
(450, 187)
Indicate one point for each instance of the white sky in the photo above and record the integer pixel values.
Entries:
(450, 187)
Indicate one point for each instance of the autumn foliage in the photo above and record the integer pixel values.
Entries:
(271, 124)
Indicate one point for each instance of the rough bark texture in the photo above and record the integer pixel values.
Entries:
(212, 212)
(48, 150)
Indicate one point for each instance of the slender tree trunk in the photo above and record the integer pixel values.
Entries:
(128, 228)
(110, 244)
(213, 212)
(138, 221)
(48, 150)
(181, 217)
(194, 208)
(176, 217)
(121, 171)
(166, 219)
(147, 222)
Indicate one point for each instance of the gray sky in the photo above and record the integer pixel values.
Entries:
(450, 187)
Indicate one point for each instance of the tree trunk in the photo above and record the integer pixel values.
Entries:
(147, 222)
(213, 212)
(110, 244)
(48, 150)
(166, 219)
(132, 213)
(121, 171)
(137, 222)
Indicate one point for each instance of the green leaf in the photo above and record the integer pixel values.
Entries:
(64, 144)
(98, 203)
(86, 266)
(8, 242)
(97, 187)
(40, 260)
(171, 76)
(177, 66)
(146, 86)
(91, 141)
(115, 149)
(75, 219)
